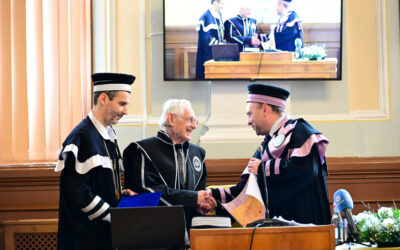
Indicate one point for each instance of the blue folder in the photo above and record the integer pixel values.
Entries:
(140, 200)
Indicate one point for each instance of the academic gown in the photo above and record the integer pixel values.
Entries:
(151, 166)
(295, 169)
(240, 31)
(210, 30)
(287, 30)
(88, 188)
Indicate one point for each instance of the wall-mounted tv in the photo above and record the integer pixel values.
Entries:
(273, 39)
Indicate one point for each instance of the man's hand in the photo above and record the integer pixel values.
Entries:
(253, 164)
(205, 202)
(255, 42)
(128, 192)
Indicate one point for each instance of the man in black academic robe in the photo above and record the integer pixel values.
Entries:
(293, 156)
(169, 163)
(210, 32)
(90, 163)
(288, 28)
(241, 29)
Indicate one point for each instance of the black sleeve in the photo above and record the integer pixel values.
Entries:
(132, 161)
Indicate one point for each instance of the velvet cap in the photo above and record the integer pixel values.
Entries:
(112, 82)
(264, 93)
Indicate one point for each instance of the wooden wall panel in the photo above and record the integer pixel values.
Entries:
(31, 191)
(28, 191)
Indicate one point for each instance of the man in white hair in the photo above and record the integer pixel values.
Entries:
(241, 29)
(170, 164)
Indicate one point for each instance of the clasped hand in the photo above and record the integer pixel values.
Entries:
(205, 202)
(255, 42)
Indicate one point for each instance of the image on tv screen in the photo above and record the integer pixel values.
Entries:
(252, 39)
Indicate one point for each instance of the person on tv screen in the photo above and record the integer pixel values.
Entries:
(211, 32)
(293, 156)
(287, 29)
(241, 29)
(170, 164)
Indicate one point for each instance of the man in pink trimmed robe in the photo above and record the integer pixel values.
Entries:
(291, 158)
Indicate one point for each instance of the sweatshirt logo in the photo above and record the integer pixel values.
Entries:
(197, 163)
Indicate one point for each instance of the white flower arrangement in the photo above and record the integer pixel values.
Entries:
(313, 52)
(382, 227)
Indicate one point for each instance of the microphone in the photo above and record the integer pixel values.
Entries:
(298, 44)
(344, 204)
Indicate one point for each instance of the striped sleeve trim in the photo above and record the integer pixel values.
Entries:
(107, 218)
(82, 167)
(212, 41)
(222, 193)
(99, 212)
(277, 165)
(92, 204)
(267, 168)
(305, 149)
(210, 27)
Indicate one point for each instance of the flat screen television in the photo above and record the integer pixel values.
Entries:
(317, 56)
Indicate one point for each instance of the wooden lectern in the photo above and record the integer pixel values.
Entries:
(299, 237)
(277, 65)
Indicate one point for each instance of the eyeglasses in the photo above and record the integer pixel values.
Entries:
(191, 120)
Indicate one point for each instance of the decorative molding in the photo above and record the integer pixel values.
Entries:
(104, 36)
(383, 113)
(383, 57)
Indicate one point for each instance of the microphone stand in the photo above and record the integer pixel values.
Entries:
(351, 238)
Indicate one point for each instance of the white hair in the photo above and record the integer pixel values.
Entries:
(244, 4)
(174, 106)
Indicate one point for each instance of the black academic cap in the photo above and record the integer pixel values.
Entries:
(112, 82)
(264, 93)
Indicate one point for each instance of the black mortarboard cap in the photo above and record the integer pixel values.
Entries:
(112, 82)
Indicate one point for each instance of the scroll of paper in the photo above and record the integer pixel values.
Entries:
(248, 206)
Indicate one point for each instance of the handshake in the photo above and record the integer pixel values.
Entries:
(205, 202)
